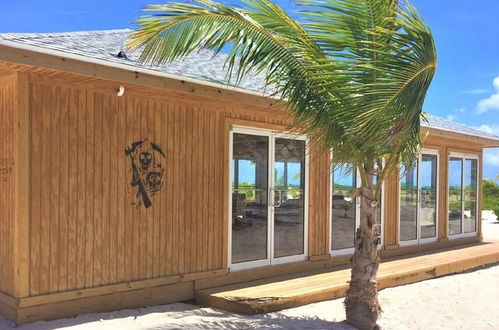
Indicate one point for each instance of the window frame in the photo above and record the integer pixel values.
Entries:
(350, 251)
(271, 260)
(419, 240)
(463, 157)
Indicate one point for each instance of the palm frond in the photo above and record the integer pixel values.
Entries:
(354, 73)
(390, 60)
(263, 46)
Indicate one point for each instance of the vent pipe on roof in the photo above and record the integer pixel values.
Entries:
(121, 53)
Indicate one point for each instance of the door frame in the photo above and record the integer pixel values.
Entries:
(464, 157)
(270, 260)
(358, 184)
(418, 239)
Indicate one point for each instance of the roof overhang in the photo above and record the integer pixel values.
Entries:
(485, 142)
(17, 53)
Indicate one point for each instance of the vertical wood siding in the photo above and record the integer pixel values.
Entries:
(391, 214)
(319, 203)
(7, 184)
(85, 232)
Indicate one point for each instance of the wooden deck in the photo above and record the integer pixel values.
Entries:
(288, 291)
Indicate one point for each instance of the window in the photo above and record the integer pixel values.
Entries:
(345, 213)
(267, 206)
(345, 209)
(419, 200)
(463, 195)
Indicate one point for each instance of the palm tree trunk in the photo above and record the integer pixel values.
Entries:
(361, 302)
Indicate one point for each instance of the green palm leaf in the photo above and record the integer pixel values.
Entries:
(354, 73)
(267, 47)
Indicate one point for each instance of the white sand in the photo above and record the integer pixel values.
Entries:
(464, 301)
(490, 226)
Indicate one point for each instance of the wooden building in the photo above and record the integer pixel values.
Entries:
(123, 186)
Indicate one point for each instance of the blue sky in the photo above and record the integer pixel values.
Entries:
(466, 33)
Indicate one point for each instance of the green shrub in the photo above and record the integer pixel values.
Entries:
(455, 206)
(496, 211)
(491, 196)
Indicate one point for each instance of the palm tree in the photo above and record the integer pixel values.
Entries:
(354, 75)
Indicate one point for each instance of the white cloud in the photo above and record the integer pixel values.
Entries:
(492, 102)
(477, 91)
(491, 157)
(455, 116)
(491, 129)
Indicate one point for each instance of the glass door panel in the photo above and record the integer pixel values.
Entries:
(379, 219)
(455, 195)
(409, 204)
(250, 168)
(379, 214)
(289, 197)
(344, 211)
(428, 196)
(268, 198)
(470, 195)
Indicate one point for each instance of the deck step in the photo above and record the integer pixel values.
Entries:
(277, 293)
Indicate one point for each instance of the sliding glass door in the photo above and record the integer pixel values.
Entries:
(463, 195)
(409, 204)
(289, 197)
(345, 213)
(419, 200)
(250, 198)
(267, 212)
(345, 209)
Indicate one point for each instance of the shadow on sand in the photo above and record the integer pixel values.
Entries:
(181, 316)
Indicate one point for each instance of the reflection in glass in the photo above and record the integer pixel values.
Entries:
(289, 198)
(455, 195)
(470, 195)
(379, 220)
(344, 208)
(409, 204)
(428, 195)
(249, 197)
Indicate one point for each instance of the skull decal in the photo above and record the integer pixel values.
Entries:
(145, 160)
(146, 172)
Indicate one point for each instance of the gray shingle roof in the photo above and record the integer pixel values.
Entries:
(447, 125)
(105, 45)
(204, 66)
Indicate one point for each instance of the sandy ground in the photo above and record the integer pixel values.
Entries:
(490, 226)
(464, 301)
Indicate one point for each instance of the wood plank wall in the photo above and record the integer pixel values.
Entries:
(319, 201)
(85, 232)
(391, 211)
(7, 183)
